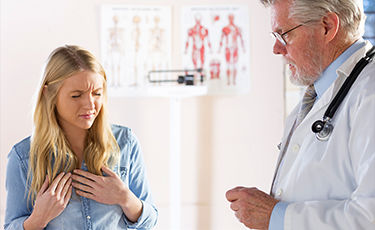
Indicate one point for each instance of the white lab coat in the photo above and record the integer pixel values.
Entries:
(331, 185)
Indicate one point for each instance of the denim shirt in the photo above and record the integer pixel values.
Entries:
(81, 212)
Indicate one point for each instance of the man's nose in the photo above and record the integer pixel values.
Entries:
(279, 48)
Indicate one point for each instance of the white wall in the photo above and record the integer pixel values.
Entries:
(226, 141)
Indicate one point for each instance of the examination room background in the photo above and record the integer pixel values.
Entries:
(226, 140)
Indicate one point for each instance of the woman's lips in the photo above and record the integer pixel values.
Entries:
(87, 116)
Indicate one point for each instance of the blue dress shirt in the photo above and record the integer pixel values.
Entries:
(328, 76)
(83, 213)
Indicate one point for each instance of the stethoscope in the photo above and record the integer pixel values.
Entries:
(323, 128)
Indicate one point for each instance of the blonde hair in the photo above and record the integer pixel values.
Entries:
(50, 152)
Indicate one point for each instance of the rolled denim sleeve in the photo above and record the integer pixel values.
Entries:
(277, 216)
(138, 184)
(146, 220)
(17, 209)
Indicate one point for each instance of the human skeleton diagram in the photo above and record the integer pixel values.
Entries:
(199, 35)
(157, 37)
(231, 33)
(136, 34)
(157, 47)
(115, 52)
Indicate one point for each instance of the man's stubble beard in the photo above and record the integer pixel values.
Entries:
(308, 74)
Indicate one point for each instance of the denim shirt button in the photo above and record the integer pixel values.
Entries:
(88, 217)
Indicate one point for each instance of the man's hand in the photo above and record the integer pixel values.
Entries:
(252, 207)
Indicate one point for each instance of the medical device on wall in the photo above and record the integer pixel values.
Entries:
(323, 128)
(188, 76)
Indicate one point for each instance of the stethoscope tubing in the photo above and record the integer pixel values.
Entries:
(323, 128)
(343, 91)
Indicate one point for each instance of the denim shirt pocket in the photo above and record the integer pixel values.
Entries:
(121, 171)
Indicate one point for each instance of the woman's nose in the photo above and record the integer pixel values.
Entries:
(89, 102)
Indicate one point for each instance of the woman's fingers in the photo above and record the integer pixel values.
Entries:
(88, 175)
(62, 184)
(108, 171)
(83, 180)
(56, 182)
(86, 194)
(68, 195)
(66, 187)
(83, 187)
(44, 186)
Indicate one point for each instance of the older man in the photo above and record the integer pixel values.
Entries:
(327, 183)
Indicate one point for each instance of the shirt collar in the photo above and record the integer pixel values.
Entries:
(329, 75)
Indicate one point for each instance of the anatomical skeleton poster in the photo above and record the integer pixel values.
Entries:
(134, 40)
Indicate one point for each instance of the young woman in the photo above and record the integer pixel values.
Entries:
(76, 171)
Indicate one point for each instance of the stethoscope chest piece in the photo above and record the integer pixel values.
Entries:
(322, 129)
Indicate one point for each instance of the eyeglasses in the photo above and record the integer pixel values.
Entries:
(280, 37)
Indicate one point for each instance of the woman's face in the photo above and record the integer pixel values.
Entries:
(79, 100)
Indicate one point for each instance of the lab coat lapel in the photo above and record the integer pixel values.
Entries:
(287, 132)
(288, 126)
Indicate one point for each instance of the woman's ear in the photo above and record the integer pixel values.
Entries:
(45, 90)
(331, 24)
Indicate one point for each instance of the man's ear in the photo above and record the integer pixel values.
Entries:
(331, 24)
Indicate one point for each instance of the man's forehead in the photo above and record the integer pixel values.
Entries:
(280, 15)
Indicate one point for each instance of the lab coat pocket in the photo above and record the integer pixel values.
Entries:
(312, 152)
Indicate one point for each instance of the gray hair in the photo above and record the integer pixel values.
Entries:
(350, 13)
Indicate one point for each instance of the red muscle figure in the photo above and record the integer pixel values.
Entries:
(198, 34)
(231, 33)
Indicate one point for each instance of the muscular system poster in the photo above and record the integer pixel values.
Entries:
(216, 38)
